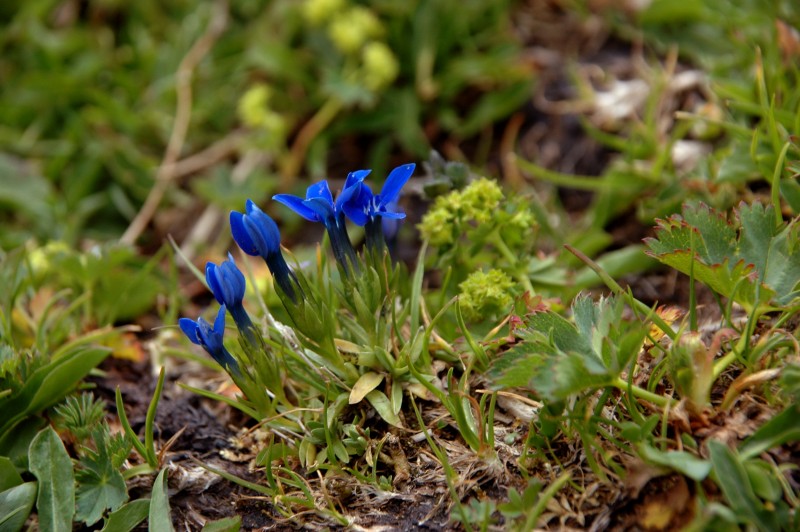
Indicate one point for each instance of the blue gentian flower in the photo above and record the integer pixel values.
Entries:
(257, 234)
(200, 332)
(372, 210)
(362, 205)
(228, 285)
(318, 206)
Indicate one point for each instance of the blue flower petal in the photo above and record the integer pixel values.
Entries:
(324, 209)
(263, 232)
(320, 190)
(352, 187)
(296, 204)
(214, 284)
(240, 235)
(206, 335)
(234, 284)
(358, 207)
(219, 323)
(393, 215)
(189, 328)
(397, 178)
(226, 282)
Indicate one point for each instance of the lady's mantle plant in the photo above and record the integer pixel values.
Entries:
(344, 341)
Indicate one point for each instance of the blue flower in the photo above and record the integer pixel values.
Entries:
(228, 285)
(377, 212)
(318, 206)
(200, 332)
(257, 234)
(362, 206)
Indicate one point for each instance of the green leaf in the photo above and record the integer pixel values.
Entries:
(779, 430)
(559, 359)
(15, 443)
(228, 524)
(51, 465)
(732, 478)
(128, 516)
(686, 463)
(364, 385)
(159, 515)
(15, 505)
(9, 477)
(749, 260)
(763, 479)
(383, 406)
(49, 384)
(100, 485)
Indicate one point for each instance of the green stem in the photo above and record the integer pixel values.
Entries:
(641, 393)
(618, 290)
(722, 363)
(501, 246)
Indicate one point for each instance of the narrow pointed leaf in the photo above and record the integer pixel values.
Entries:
(159, 514)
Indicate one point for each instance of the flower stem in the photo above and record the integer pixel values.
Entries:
(523, 279)
(641, 393)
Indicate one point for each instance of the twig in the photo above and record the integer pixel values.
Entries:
(212, 215)
(183, 114)
(310, 130)
(210, 156)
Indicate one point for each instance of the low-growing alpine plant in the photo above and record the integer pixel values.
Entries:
(343, 342)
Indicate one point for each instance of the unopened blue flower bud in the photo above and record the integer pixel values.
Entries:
(201, 333)
(228, 285)
(257, 234)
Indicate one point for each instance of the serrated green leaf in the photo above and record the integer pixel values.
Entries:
(100, 486)
(51, 465)
(15, 505)
(559, 359)
(159, 514)
(128, 516)
(749, 260)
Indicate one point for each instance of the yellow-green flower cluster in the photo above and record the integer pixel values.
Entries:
(477, 203)
(484, 294)
(254, 111)
(480, 199)
(353, 27)
(357, 33)
(319, 11)
(380, 66)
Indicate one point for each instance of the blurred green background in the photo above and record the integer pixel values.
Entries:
(245, 95)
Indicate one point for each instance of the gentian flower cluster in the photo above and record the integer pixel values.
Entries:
(257, 234)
